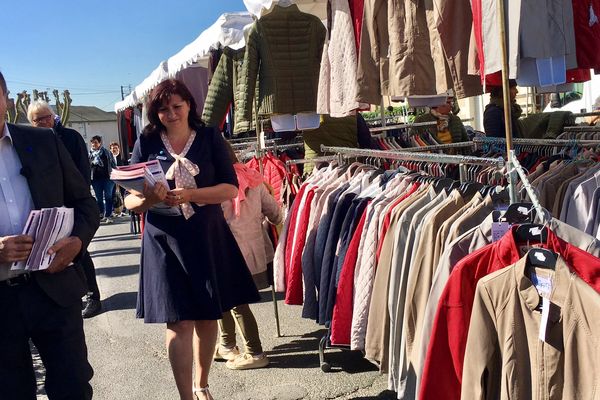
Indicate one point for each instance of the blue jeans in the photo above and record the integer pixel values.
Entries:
(103, 188)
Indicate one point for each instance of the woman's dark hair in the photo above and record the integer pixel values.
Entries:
(163, 93)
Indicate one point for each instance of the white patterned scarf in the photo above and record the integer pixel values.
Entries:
(182, 170)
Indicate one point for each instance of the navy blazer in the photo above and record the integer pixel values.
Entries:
(54, 181)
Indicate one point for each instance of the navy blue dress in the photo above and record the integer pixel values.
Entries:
(191, 269)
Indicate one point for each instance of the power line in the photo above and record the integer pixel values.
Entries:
(57, 86)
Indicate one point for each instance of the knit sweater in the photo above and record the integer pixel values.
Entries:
(283, 52)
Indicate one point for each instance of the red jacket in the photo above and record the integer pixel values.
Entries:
(341, 323)
(294, 247)
(442, 373)
(586, 18)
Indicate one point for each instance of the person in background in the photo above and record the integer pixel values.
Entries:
(118, 192)
(41, 115)
(493, 116)
(449, 128)
(115, 150)
(41, 307)
(245, 215)
(192, 270)
(102, 163)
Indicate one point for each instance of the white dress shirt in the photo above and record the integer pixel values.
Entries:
(15, 198)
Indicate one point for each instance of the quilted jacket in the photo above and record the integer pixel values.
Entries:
(337, 82)
(222, 92)
(342, 312)
(283, 52)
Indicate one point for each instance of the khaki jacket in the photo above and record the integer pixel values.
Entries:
(505, 357)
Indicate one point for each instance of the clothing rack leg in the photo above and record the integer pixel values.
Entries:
(276, 310)
(325, 366)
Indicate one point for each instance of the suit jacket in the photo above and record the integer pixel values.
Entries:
(75, 145)
(54, 182)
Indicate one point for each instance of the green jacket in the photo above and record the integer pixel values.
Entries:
(332, 132)
(283, 52)
(455, 126)
(221, 92)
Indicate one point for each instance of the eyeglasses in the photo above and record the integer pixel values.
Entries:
(42, 118)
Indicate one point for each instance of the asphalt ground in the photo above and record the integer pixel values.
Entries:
(130, 360)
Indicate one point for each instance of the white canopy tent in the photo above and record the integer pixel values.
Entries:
(227, 31)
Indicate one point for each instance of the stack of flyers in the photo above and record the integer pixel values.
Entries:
(132, 178)
(47, 226)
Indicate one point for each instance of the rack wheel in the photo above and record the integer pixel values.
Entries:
(325, 367)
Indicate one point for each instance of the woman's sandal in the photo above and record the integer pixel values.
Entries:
(203, 390)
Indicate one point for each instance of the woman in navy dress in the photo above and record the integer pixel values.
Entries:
(191, 267)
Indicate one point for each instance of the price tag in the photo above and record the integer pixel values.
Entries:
(544, 321)
(499, 229)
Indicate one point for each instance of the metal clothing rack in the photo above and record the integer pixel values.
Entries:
(588, 114)
(312, 160)
(538, 142)
(582, 128)
(402, 126)
(530, 191)
(436, 147)
(461, 161)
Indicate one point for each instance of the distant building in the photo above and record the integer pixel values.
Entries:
(90, 121)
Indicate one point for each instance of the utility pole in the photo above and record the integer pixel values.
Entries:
(125, 91)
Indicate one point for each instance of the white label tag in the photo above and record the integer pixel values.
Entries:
(539, 256)
(499, 229)
(543, 284)
(535, 231)
(544, 321)
(523, 210)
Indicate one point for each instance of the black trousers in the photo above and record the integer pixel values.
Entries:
(26, 312)
(90, 275)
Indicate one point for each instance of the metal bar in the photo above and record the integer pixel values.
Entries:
(538, 142)
(408, 156)
(530, 191)
(512, 187)
(312, 160)
(581, 128)
(435, 147)
(400, 126)
(589, 114)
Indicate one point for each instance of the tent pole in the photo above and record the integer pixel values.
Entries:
(507, 104)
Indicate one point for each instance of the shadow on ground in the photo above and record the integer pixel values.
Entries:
(115, 252)
(116, 237)
(303, 352)
(385, 395)
(115, 272)
(120, 301)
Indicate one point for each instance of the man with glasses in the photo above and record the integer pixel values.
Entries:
(44, 307)
(41, 115)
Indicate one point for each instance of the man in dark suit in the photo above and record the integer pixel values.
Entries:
(36, 171)
(41, 115)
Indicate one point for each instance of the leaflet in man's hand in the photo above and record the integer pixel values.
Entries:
(47, 226)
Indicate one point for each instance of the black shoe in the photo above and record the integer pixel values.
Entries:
(92, 308)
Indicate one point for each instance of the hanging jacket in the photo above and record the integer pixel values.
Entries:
(337, 80)
(283, 52)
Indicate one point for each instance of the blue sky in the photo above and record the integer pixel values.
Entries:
(92, 47)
